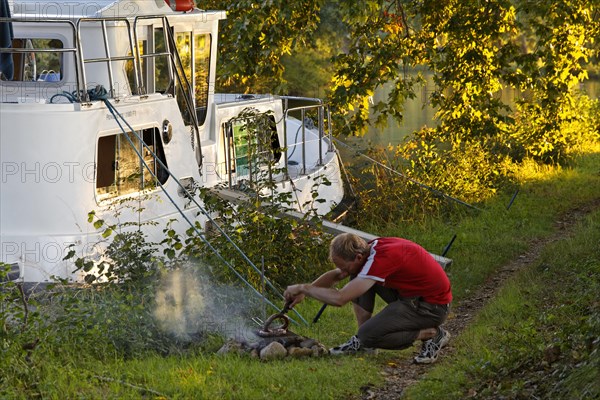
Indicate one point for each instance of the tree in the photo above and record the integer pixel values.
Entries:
(473, 48)
(256, 35)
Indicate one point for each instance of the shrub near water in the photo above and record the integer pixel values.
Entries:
(412, 181)
(288, 250)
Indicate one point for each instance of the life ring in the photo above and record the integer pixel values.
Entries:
(181, 5)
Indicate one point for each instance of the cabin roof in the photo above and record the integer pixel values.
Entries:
(70, 9)
(73, 9)
(232, 98)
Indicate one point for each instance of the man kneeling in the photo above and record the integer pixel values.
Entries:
(414, 286)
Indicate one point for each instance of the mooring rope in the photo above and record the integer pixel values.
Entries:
(99, 93)
(436, 191)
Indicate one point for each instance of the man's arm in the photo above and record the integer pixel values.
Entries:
(330, 278)
(328, 295)
(327, 280)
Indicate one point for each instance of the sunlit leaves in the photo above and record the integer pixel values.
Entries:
(376, 54)
(563, 38)
(256, 35)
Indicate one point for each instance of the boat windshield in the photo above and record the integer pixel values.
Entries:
(194, 52)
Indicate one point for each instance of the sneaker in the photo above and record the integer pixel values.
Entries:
(352, 346)
(431, 347)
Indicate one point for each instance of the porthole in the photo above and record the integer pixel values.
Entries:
(167, 131)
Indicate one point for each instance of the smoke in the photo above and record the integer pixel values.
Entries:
(189, 304)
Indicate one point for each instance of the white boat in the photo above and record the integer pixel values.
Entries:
(63, 154)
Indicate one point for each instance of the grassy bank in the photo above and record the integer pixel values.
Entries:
(507, 352)
(540, 337)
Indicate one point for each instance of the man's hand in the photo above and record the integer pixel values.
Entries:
(338, 298)
(294, 294)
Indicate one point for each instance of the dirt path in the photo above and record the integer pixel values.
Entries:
(402, 373)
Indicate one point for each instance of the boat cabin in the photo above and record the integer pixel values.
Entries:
(108, 100)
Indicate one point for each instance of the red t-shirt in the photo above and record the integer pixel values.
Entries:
(407, 267)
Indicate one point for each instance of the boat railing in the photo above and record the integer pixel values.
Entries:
(253, 165)
(175, 69)
(107, 55)
(324, 120)
(68, 50)
(80, 94)
(151, 54)
(108, 58)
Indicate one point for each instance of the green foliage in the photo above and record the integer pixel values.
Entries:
(107, 321)
(22, 329)
(425, 177)
(288, 250)
(115, 311)
(256, 39)
(377, 52)
(466, 46)
(555, 145)
(308, 69)
(474, 50)
(127, 255)
(562, 37)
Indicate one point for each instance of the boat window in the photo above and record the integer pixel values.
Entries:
(183, 41)
(194, 53)
(40, 64)
(154, 65)
(119, 170)
(201, 67)
(253, 144)
(143, 49)
(130, 70)
(162, 77)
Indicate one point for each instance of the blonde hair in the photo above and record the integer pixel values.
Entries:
(347, 246)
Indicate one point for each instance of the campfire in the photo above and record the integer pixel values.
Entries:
(276, 341)
(287, 344)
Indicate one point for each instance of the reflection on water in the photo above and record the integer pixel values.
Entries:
(417, 114)
(591, 87)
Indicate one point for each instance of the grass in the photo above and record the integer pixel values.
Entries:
(200, 376)
(502, 354)
(540, 335)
